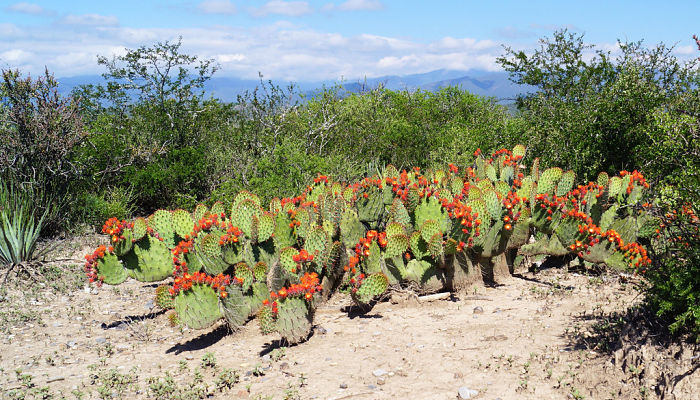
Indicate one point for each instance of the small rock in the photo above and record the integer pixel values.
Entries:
(57, 324)
(101, 340)
(189, 357)
(321, 330)
(122, 347)
(458, 375)
(478, 310)
(466, 393)
(71, 344)
(371, 387)
(497, 310)
(68, 361)
(284, 366)
(149, 305)
(343, 385)
(266, 358)
(381, 380)
(379, 372)
(376, 333)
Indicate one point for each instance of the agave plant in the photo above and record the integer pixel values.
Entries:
(20, 223)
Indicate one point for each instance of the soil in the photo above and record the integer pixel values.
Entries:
(547, 335)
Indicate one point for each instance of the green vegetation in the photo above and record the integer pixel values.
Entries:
(150, 139)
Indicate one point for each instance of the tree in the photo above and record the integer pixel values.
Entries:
(590, 110)
(151, 122)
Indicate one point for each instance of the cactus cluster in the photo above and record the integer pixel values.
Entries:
(434, 230)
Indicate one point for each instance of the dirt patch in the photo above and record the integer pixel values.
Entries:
(536, 336)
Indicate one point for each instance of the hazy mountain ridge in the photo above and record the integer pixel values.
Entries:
(483, 83)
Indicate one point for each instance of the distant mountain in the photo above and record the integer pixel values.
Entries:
(483, 83)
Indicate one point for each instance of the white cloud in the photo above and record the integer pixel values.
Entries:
(91, 19)
(355, 5)
(27, 8)
(224, 7)
(16, 56)
(7, 30)
(227, 58)
(289, 8)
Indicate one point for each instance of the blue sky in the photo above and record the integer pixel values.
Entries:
(326, 39)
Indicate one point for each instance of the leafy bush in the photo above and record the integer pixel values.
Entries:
(39, 133)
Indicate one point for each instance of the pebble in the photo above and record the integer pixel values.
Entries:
(149, 305)
(381, 380)
(71, 344)
(101, 340)
(266, 358)
(371, 387)
(189, 357)
(321, 330)
(343, 385)
(466, 393)
(379, 372)
(478, 310)
(284, 366)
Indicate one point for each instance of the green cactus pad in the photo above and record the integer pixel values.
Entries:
(435, 245)
(242, 214)
(125, 245)
(399, 214)
(151, 260)
(284, 234)
(520, 233)
(419, 247)
(546, 245)
(431, 209)
(260, 271)
(603, 179)
(614, 186)
(395, 228)
(420, 271)
(428, 229)
(317, 242)
(412, 198)
(351, 229)
(456, 185)
(370, 209)
(139, 229)
(608, 217)
(519, 151)
(373, 263)
(235, 308)
(294, 319)
(491, 172)
(287, 260)
(182, 223)
(198, 308)
(162, 223)
(548, 180)
(200, 212)
(111, 270)
(390, 171)
(217, 209)
(372, 286)
(163, 298)
(566, 183)
(493, 204)
(243, 271)
(267, 321)
(275, 206)
(396, 245)
(210, 253)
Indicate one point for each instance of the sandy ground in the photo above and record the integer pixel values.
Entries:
(537, 336)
